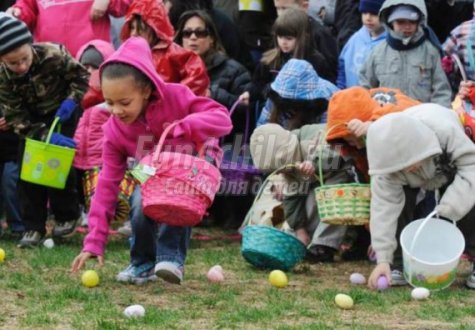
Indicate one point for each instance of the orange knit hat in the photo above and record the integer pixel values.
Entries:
(390, 100)
(348, 104)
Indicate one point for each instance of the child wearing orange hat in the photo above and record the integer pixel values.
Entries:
(350, 114)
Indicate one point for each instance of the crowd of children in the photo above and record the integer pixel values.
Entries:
(379, 107)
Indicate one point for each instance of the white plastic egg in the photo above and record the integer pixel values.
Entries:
(134, 311)
(420, 293)
(48, 243)
(357, 278)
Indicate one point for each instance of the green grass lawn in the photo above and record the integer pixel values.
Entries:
(37, 291)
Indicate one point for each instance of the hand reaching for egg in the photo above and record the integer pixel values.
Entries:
(382, 269)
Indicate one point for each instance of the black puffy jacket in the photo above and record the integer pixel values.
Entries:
(229, 79)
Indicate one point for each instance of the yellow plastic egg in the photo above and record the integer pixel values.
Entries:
(2, 255)
(90, 279)
(344, 301)
(278, 279)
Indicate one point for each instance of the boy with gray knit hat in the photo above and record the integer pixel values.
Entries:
(426, 147)
(273, 147)
(39, 82)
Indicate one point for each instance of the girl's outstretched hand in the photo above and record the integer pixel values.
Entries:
(81, 259)
(382, 269)
(358, 127)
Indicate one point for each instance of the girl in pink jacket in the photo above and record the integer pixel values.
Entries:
(142, 105)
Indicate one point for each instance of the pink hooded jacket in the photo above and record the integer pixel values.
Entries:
(68, 22)
(89, 135)
(200, 120)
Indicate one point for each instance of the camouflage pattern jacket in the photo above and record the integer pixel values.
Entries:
(29, 102)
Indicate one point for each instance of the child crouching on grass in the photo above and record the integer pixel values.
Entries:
(272, 147)
(426, 147)
(142, 105)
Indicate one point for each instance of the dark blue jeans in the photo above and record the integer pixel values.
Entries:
(9, 177)
(151, 242)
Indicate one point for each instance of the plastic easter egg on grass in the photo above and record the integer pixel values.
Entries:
(48, 243)
(383, 283)
(357, 278)
(2, 255)
(214, 275)
(278, 279)
(344, 301)
(218, 268)
(134, 311)
(420, 293)
(90, 279)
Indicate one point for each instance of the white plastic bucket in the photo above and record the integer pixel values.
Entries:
(431, 250)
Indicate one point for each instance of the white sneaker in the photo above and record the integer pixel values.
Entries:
(397, 278)
(169, 271)
(137, 274)
(126, 229)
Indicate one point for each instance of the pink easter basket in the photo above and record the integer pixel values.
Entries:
(182, 188)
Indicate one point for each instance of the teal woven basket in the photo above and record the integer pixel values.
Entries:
(269, 248)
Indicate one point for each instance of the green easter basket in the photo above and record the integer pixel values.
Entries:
(342, 204)
(46, 164)
(266, 247)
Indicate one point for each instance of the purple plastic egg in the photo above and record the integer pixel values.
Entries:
(383, 283)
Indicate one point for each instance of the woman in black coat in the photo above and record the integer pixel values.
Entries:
(228, 80)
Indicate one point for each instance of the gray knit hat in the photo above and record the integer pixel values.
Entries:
(13, 34)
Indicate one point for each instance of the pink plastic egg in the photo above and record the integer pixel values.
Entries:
(215, 276)
(383, 283)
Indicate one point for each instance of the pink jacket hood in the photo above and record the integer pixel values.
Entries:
(136, 52)
(105, 48)
(201, 121)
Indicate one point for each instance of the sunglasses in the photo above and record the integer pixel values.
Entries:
(199, 33)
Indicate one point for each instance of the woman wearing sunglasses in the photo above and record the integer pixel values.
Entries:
(228, 79)
(197, 32)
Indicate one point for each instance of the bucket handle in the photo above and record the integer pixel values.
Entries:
(51, 130)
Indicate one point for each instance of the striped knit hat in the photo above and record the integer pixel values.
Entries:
(13, 34)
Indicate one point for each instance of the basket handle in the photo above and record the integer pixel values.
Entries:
(320, 152)
(261, 190)
(460, 66)
(248, 120)
(161, 141)
(51, 129)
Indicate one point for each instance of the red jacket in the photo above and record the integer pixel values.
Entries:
(172, 62)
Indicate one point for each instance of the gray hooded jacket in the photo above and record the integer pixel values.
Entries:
(417, 72)
(432, 136)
